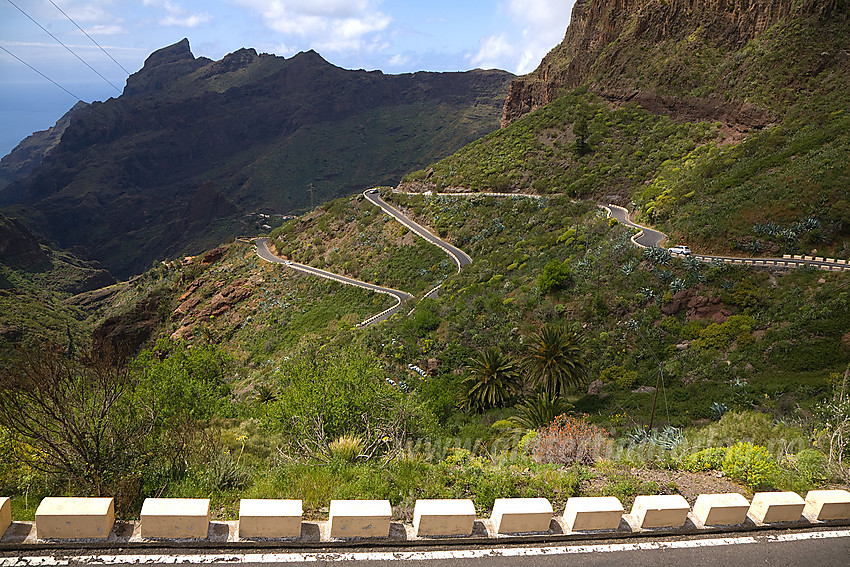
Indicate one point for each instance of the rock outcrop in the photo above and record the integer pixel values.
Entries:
(19, 248)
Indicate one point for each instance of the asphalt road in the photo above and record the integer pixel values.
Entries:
(649, 237)
(823, 548)
(459, 256)
(401, 296)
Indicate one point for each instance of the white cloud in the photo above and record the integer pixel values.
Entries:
(543, 24)
(398, 60)
(493, 52)
(332, 25)
(102, 29)
(177, 16)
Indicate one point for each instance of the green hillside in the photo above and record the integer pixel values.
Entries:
(563, 360)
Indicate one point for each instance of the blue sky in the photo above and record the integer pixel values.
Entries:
(395, 36)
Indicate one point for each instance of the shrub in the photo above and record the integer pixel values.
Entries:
(710, 458)
(555, 275)
(624, 379)
(346, 448)
(223, 472)
(757, 428)
(809, 466)
(570, 440)
(750, 464)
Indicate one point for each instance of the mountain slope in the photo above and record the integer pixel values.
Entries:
(725, 124)
(192, 144)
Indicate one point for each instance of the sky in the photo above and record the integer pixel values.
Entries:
(395, 36)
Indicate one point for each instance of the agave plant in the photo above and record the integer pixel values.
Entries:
(657, 255)
(667, 438)
(539, 411)
(717, 410)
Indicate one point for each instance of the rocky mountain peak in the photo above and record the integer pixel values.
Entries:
(163, 67)
(179, 51)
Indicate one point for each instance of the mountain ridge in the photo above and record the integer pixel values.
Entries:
(260, 128)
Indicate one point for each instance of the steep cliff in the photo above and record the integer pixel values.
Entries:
(673, 56)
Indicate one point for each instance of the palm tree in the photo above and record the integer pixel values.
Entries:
(555, 360)
(493, 378)
(540, 411)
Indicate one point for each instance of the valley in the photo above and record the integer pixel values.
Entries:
(514, 317)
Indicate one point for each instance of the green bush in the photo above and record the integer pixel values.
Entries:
(755, 427)
(710, 458)
(625, 379)
(750, 464)
(555, 275)
(808, 469)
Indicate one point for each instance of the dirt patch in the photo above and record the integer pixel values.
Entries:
(690, 485)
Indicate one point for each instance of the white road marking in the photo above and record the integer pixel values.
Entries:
(450, 554)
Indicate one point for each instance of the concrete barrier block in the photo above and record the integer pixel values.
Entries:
(841, 261)
(661, 511)
(593, 513)
(786, 255)
(721, 509)
(360, 518)
(828, 505)
(830, 260)
(175, 518)
(808, 257)
(770, 507)
(270, 518)
(818, 259)
(443, 517)
(798, 257)
(5, 514)
(74, 518)
(521, 515)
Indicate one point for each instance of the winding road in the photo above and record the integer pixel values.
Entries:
(460, 258)
(648, 237)
(645, 238)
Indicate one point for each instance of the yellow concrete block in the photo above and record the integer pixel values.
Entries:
(72, 518)
(270, 518)
(175, 518)
(661, 511)
(521, 515)
(5, 514)
(721, 509)
(828, 505)
(769, 507)
(593, 513)
(360, 518)
(443, 517)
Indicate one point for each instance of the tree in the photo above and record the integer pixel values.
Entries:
(554, 361)
(82, 414)
(493, 378)
(581, 131)
(539, 411)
